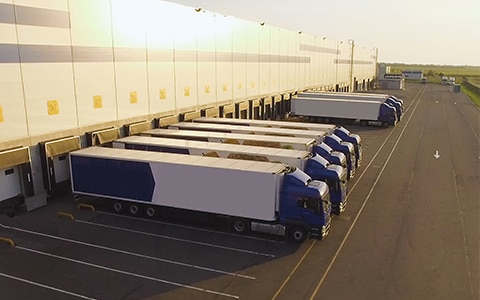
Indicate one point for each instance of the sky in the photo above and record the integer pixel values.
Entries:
(436, 32)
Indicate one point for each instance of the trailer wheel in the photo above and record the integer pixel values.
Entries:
(385, 124)
(240, 226)
(134, 209)
(151, 211)
(364, 123)
(298, 234)
(118, 207)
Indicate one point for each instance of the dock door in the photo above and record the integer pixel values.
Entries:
(15, 178)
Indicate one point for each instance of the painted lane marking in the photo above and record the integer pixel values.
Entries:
(362, 207)
(127, 252)
(191, 287)
(436, 155)
(284, 283)
(46, 286)
(191, 228)
(176, 239)
(350, 190)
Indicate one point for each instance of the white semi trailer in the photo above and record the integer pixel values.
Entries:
(314, 165)
(285, 202)
(340, 131)
(345, 110)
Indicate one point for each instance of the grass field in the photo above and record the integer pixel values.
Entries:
(434, 74)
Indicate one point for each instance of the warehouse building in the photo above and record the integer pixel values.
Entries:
(85, 72)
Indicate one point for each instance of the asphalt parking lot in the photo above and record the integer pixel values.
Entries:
(410, 231)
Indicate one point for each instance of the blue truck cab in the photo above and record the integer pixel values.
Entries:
(346, 148)
(355, 139)
(387, 115)
(332, 156)
(305, 206)
(398, 107)
(335, 176)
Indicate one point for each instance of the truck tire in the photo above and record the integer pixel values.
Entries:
(385, 124)
(134, 209)
(364, 123)
(297, 234)
(240, 225)
(151, 211)
(118, 207)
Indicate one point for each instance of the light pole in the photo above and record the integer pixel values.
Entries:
(336, 67)
(351, 42)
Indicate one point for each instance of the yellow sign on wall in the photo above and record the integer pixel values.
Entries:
(239, 86)
(1, 115)
(97, 102)
(133, 97)
(207, 89)
(225, 87)
(163, 94)
(186, 91)
(53, 107)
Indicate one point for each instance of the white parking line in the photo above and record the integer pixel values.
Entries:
(191, 287)
(363, 205)
(176, 239)
(46, 286)
(126, 252)
(190, 227)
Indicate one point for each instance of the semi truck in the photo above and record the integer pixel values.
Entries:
(271, 141)
(320, 136)
(340, 131)
(344, 110)
(389, 99)
(314, 165)
(284, 200)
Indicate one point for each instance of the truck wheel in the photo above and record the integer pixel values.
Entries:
(151, 211)
(118, 207)
(298, 234)
(134, 209)
(364, 123)
(385, 124)
(240, 226)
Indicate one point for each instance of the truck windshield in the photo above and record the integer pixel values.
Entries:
(310, 203)
(327, 205)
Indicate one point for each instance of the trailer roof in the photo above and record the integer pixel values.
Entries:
(344, 94)
(290, 124)
(337, 99)
(181, 159)
(225, 135)
(253, 129)
(233, 148)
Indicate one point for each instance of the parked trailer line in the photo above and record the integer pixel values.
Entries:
(272, 141)
(315, 166)
(331, 140)
(340, 131)
(123, 251)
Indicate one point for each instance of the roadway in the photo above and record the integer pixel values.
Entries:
(410, 231)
